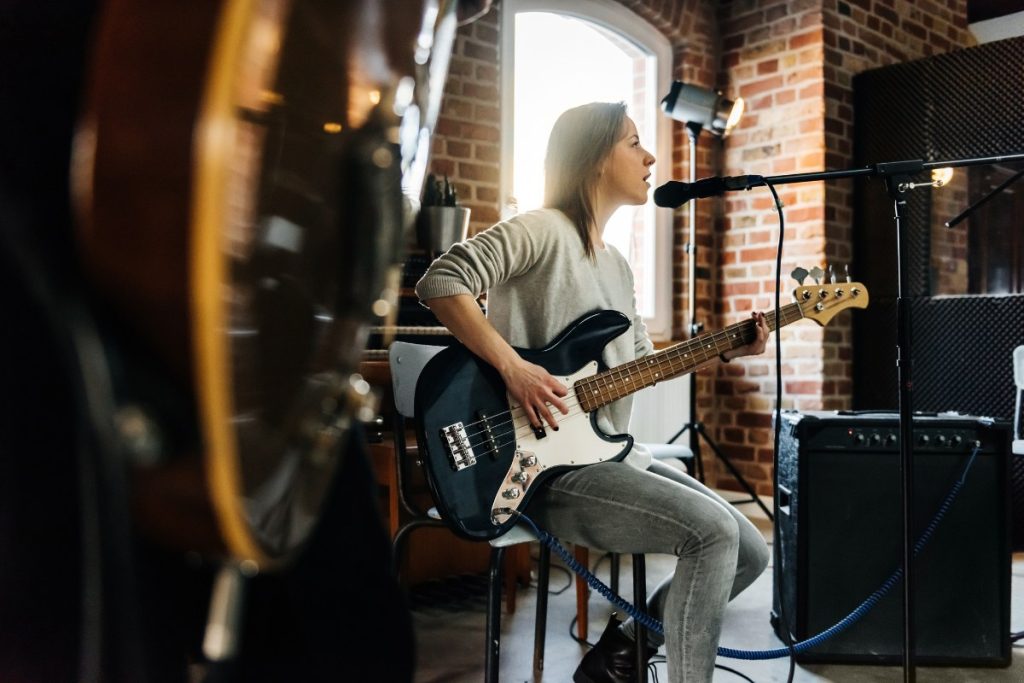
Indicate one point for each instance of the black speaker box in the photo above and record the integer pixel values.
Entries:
(840, 534)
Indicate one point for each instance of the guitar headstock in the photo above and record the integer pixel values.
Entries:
(821, 301)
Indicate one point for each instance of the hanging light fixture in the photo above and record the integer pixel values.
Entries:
(702, 107)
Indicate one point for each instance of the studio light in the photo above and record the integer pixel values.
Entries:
(703, 108)
(939, 178)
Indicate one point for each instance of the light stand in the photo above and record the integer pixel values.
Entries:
(897, 176)
(696, 108)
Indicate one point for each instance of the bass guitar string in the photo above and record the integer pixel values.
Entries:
(605, 393)
(707, 347)
(608, 378)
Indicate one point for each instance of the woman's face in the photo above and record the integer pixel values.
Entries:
(625, 173)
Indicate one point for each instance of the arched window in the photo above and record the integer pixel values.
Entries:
(557, 54)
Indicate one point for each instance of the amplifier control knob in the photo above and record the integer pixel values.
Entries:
(890, 439)
(957, 440)
(876, 439)
(924, 440)
(858, 439)
(940, 440)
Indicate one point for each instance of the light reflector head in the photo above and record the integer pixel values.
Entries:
(708, 109)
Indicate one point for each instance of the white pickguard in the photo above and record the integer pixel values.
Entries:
(575, 443)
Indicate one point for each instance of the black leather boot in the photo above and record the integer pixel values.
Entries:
(612, 660)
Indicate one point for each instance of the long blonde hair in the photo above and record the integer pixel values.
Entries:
(581, 139)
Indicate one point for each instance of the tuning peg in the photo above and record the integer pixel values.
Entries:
(816, 274)
(799, 274)
(846, 268)
(831, 275)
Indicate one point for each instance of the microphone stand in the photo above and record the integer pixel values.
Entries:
(897, 176)
(693, 425)
(971, 209)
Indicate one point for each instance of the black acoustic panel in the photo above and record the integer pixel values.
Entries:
(963, 104)
(963, 353)
(975, 101)
(1017, 500)
(875, 244)
(840, 537)
(962, 348)
(890, 103)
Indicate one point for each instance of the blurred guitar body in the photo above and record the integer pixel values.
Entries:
(239, 183)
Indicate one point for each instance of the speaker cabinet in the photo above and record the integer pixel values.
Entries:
(840, 535)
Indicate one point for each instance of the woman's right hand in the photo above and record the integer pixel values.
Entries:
(536, 391)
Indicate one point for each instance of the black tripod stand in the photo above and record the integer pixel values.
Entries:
(696, 428)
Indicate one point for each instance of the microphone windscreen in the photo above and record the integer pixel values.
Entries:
(672, 194)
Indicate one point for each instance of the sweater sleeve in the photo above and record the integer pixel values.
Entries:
(642, 344)
(498, 254)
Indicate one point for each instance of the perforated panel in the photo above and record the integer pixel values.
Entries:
(974, 101)
(962, 351)
(965, 104)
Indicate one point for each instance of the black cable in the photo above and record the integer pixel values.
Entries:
(568, 576)
(776, 529)
(734, 671)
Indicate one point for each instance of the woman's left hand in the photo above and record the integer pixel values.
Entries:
(760, 341)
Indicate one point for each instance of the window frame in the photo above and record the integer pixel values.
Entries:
(618, 19)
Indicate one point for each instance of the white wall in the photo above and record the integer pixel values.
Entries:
(661, 411)
(998, 28)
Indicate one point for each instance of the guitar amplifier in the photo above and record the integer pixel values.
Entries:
(840, 535)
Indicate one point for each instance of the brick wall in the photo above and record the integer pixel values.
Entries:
(793, 61)
(467, 142)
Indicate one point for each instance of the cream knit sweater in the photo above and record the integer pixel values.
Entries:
(538, 280)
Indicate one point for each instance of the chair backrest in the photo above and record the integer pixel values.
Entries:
(407, 361)
(1018, 379)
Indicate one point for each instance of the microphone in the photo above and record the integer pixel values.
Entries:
(674, 194)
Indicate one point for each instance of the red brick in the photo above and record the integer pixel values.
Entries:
(478, 172)
(803, 39)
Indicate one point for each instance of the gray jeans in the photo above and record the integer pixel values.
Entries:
(618, 508)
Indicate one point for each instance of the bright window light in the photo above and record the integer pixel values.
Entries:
(561, 62)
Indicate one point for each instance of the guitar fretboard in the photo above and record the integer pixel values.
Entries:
(623, 380)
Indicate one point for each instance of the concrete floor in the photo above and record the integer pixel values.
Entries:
(450, 616)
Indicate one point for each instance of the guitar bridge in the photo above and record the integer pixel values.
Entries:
(460, 452)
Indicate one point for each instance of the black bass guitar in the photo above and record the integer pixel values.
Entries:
(482, 457)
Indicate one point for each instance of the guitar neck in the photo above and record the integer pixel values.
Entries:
(680, 359)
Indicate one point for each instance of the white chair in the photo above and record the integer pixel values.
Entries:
(406, 361)
(1018, 379)
(672, 451)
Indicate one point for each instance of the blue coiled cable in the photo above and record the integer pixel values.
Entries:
(804, 645)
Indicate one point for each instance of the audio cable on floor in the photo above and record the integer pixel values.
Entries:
(653, 624)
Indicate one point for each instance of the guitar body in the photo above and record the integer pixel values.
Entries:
(457, 388)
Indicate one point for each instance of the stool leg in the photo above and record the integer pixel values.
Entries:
(540, 626)
(492, 653)
(582, 555)
(640, 600)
